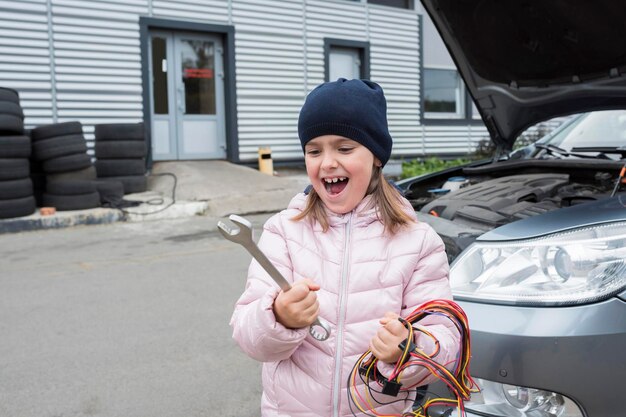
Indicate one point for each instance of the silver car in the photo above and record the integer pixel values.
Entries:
(537, 236)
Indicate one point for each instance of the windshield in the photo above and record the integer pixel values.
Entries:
(600, 128)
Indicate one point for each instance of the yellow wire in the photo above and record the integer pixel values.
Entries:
(462, 386)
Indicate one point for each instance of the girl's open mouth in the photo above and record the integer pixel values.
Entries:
(335, 185)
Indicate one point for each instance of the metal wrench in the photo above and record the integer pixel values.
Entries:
(320, 329)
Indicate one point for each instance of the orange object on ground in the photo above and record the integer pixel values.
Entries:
(47, 211)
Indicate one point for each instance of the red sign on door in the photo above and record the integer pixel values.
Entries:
(198, 73)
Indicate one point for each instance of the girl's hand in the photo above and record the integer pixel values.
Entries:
(297, 307)
(384, 345)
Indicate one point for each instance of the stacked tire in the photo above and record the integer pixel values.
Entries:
(120, 151)
(16, 187)
(61, 151)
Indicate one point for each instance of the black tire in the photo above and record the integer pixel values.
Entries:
(119, 131)
(17, 207)
(72, 202)
(10, 124)
(12, 108)
(9, 94)
(59, 146)
(57, 129)
(120, 149)
(111, 192)
(38, 194)
(39, 186)
(35, 166)
(70, 187)
(38, 179)
(12, 189)
(14, 169)
(15, 147)
(120, 167)
(132, 184)
(88, 173)
(67, 163)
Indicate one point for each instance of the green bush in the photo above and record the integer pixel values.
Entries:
(425, 166)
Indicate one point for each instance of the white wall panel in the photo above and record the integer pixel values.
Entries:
(331, 19)
(395, 62)
(25, 57)
(198, 10)
(270, 75)
(92, 71)
(97, 61)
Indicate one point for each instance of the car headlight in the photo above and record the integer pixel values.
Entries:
(574, 267)
(511, 400)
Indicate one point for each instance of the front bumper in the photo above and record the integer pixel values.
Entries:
(577, 351)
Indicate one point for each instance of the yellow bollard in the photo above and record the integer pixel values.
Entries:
(266, 165)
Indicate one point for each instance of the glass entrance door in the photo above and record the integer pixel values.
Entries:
(187, 97)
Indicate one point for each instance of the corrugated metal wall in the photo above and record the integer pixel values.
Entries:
(215, 11)
(92, 72)
(25, 63)
(97, 61)
(394, 38)
(270, 70)
(442, 140)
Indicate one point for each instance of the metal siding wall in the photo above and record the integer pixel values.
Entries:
(462, 140)
(279, 58)
(97, 61)
(454, 140)
(395, 61)
(271, 46)
(206, 11)
(25, 57)
(330, 19)
(270, 75)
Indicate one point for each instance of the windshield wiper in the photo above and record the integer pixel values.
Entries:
(553, 149)
(620, 150)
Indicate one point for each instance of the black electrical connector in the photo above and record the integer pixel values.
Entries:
(402, 345)
(391, 388)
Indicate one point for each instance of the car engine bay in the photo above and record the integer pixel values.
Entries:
(461, 204)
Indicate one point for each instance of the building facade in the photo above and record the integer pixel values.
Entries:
(217, 79)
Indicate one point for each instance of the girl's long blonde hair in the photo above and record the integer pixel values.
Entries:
(390, 209)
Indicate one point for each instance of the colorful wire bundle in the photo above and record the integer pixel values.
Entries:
(458, 381)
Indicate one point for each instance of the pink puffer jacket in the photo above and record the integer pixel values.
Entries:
(362, 275)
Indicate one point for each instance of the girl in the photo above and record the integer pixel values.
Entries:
(356, 256)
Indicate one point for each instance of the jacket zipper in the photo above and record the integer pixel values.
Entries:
(342, 300)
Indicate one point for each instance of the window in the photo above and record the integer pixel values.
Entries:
(346, 59)
(402, 4)
(344, 63)
(159, 75)
(444, 94)
(445, 99)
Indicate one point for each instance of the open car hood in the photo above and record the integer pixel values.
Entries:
(526, 61)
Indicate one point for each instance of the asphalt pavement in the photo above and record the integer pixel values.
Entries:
(129, 315)
(180, 189)
(128, 319)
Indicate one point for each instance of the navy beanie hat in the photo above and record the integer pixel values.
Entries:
(355, 109)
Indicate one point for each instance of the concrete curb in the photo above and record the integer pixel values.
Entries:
(60, 220)
(148, 212)
(205, 188)
(165, 211)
